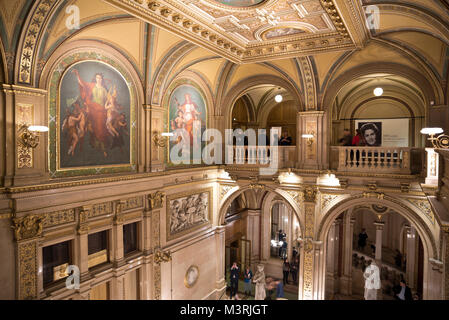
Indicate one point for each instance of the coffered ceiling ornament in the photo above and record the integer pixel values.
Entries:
(259, 31)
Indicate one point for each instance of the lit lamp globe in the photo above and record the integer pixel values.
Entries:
(278, 98)
(431, 131)
(378, 92)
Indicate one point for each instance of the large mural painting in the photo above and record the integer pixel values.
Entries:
(187, 115)
(94, 117)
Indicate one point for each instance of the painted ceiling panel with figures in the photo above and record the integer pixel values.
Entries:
(253, 30)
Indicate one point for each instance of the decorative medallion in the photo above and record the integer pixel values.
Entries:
(240, 3)
(191, 276)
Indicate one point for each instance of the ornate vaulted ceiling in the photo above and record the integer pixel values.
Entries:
(257, 30)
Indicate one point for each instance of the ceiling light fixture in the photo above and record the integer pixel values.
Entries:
(378, 92)
(278, 98)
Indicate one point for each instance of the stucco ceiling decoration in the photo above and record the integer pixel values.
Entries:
(251, 30)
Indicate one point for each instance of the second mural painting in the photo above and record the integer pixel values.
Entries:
(187, 115)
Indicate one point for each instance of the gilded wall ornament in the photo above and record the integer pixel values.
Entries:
(296, 196)
(59, 217)
(424, 206)
(27, 255)
(187, 212)
(161, 256)
(24, 117)
(326, 199)
(156, 200)
(224, 189)
(310, 194)
(28, 227)
(83, 217)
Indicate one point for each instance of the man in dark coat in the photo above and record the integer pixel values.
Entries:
(403, 292)
(235, 272)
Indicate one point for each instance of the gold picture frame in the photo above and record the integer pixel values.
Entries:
(181, 198)
(192, 276)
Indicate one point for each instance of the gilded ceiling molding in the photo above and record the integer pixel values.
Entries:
(230, 33)
(308, 78)
(32, 34)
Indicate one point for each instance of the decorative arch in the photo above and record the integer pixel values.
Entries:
(399, 206)
(160, 79)
(246, 84)
(430, 91)
(230, 196)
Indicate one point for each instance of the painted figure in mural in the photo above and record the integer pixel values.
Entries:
(190, 113)
(259, 280)
(104, 122)
(74, 126)
(372, 281)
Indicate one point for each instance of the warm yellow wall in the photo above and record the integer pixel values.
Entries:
(431, 48)
(324, 62)
(288, 67)
(124, 34)
(375, 52)
(9, 14)
(210, 69)
(248, 70)
(89, 10)
(163, 42)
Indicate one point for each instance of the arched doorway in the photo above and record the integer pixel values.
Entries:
(346, 215)
(252, 221)
(376, 233)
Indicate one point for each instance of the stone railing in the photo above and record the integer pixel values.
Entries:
(261, 155)
(377, 159)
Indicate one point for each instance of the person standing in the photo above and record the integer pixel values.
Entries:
(362, 240)
(346, 140)
(235, 272)
(279, 289)
(286, 270)
(294, 270)
(248, 276)
(372, 281)
(405, 294)
(358, 139)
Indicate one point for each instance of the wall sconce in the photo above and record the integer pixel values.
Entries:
(158, 139)
(310, 138)
(29, 135)
(442, 141)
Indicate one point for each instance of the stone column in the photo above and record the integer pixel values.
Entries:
(411, 256)
(81, 256)
(446, 262)
(24, 106)
(313, 153)
(220, 282)
(155, 204)
(310, 269)
(117, 257)
(432, 167)
(379, 230)
(27, 233)
(146, 248)
(251, 219)
(348, 231)
(332, 259)
(157, 126)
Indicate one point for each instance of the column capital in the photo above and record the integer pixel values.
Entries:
(379, 225)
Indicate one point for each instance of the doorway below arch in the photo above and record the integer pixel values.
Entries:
(254, 222)
(368, 233)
